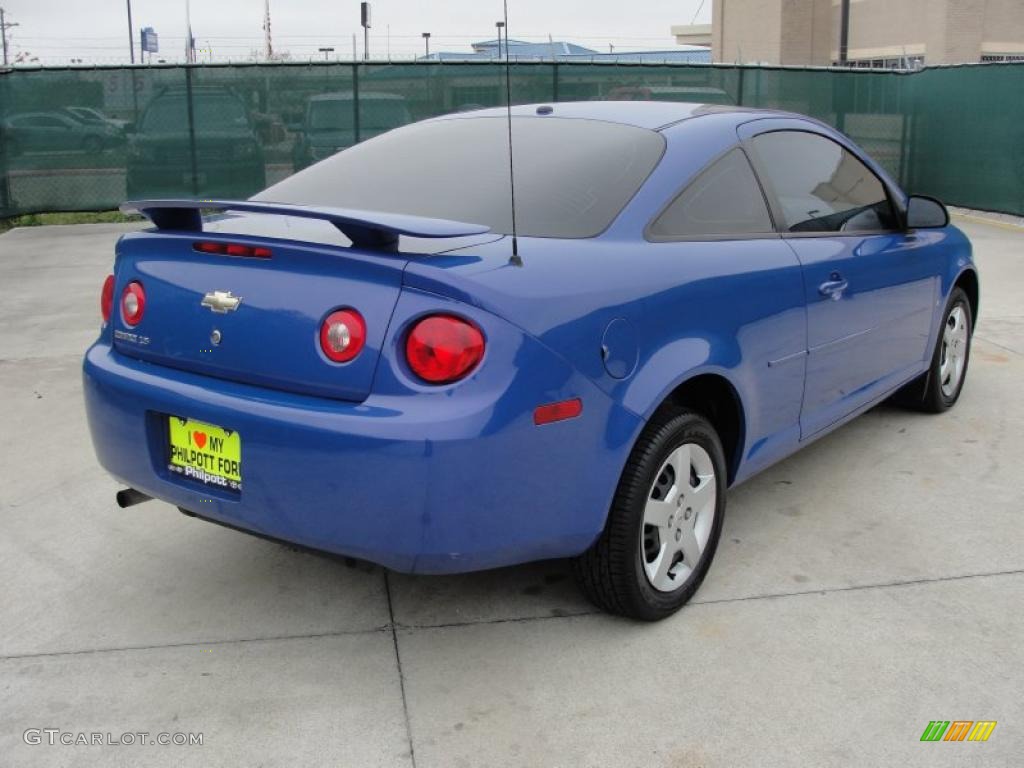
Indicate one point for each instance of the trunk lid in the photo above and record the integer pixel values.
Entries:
(271, 339)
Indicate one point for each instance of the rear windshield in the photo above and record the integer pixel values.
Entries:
(572, 176)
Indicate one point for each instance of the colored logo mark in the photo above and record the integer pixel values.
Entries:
(958, 730)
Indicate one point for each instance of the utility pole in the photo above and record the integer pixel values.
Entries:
(426, 42)
(500, 25)
(190, 41)
(844, 33)
(326, 51)
(131, 34)
(268, 44)
(4, 26)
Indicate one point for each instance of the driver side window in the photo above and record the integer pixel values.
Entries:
(822, 187)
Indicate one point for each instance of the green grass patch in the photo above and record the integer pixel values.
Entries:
(85, 217)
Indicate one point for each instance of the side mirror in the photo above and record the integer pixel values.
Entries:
(926, 213)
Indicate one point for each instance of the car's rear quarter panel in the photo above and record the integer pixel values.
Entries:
(733, 308)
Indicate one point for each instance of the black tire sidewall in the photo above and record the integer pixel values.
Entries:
(683, 428)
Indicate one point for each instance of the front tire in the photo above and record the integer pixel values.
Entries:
(664, 523)
(939, 389)
(952, 354)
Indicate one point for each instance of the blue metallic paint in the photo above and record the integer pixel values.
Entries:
(375, 464)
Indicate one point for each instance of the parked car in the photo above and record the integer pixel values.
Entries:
(329, 125)
(686, 297)
(227, 158)
(57, 132)
(94, 117)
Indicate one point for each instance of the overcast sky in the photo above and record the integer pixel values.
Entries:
(97, 30)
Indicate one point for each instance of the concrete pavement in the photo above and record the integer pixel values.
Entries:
(862, 588)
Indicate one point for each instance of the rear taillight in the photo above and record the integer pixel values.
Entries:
(133, 303)
(441, 349)
(343, 335)
(107, 298)
(233, 249)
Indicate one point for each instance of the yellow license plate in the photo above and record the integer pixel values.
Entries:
(204, 452)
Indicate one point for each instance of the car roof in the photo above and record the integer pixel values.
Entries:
(347, 96)
(178, 91)
(653, 115)
(53, 113)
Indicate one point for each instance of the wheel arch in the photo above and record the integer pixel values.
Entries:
(968, 281)
(714, 397)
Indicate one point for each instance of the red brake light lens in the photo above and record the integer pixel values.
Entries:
(133, 303)
(233, 249)
(107, 298)
(343, 335)
(441, 349)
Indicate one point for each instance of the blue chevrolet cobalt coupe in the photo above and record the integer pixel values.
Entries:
(379, 357)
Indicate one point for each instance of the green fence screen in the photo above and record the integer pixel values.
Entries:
(87, 139)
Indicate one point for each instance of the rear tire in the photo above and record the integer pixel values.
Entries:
(664, 523)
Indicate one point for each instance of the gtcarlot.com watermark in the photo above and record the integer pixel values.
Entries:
(56, 736)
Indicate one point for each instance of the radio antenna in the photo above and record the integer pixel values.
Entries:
(515, 260)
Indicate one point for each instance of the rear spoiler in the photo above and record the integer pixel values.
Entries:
(366, 229)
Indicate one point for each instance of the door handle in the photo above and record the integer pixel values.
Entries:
(833, 287)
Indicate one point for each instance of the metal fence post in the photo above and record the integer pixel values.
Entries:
(355, 102)
(554, 81)
(6, 201)
(191, 130)
(904, 82)
(739, 87)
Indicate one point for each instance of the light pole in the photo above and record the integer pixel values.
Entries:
(364, 18)
(501, 25)
(326, 51)
(426, 42)
(131, 36)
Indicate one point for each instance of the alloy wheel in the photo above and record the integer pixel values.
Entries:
(678, 517)
(954, 351)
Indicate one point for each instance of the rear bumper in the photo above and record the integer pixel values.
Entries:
(400, 481)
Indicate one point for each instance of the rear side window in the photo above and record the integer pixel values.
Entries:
(725, 199)
(822, 187)
(573, 177)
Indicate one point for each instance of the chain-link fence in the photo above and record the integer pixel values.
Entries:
(86, 139)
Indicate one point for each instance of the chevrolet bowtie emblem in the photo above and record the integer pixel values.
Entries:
(221, 302)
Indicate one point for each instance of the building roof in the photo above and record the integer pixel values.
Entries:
(518, 50)
(652, 115)
(523, 48)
